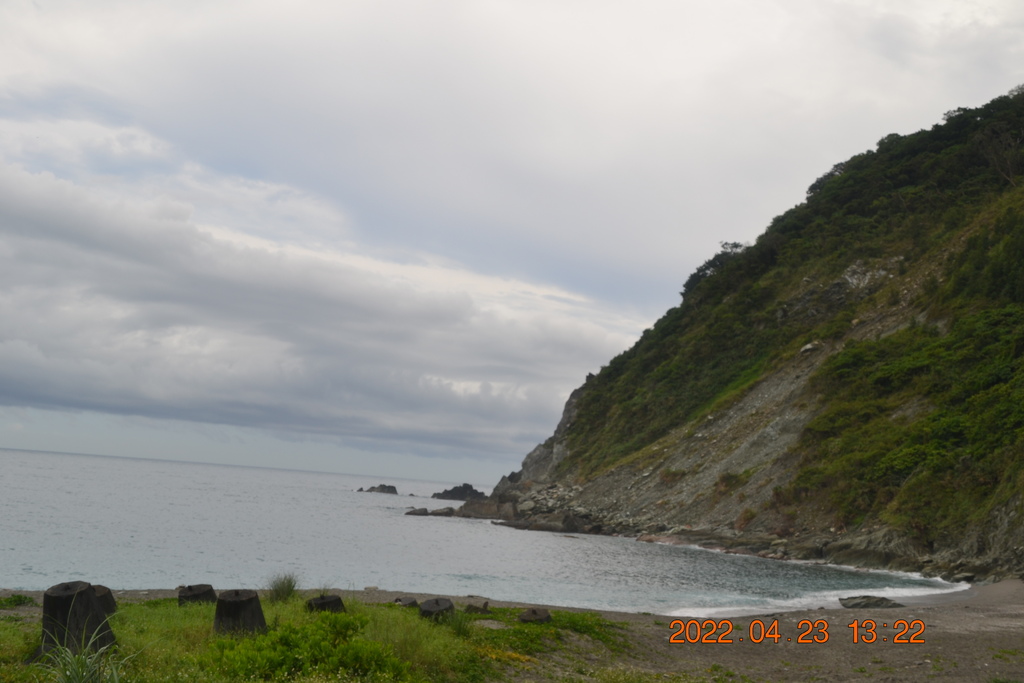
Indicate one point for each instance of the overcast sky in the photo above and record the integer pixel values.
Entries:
(390, 237)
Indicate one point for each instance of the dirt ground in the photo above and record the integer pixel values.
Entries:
(973, 635)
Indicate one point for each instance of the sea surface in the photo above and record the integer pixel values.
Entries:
(137, 524)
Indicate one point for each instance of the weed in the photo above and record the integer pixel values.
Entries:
(90, 664)
(282, 587)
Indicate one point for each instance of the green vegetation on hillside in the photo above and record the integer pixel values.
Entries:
(905, 418)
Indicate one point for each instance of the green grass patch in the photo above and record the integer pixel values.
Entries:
(534, 638)
(160, 642)
(16, 600)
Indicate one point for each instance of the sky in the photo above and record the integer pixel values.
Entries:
(389, 237)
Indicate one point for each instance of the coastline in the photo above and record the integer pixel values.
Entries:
(971, 635)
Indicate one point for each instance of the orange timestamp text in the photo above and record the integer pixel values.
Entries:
(724, 631)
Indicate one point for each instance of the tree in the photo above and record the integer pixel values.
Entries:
(1000, 144)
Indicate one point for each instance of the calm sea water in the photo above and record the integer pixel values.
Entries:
(136, 524)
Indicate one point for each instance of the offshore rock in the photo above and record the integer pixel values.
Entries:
(382, 488)
(462, 492)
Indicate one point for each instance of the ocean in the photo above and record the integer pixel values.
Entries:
(135, 524)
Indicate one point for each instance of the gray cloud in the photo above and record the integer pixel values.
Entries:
(410, 222)
(107, 307)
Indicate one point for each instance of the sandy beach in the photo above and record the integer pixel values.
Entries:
(972, 635)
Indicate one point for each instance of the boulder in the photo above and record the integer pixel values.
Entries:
(443, 512)
(406, 601)
(868, 602)
(535, 615)
(382, 488)
(417, 512)
(435, 608)
(201, 592)
(464, 492)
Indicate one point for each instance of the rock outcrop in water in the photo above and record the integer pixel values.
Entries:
(381, 488)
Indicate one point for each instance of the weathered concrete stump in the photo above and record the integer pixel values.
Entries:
(435, 608)
(325, 603)
(535, 615)
(239, 611)
(73, 618)
(201, 592)
(106, 599)
(478, 609)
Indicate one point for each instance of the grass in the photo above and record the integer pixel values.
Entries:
(16, 600)
(89, 665)
(160, 642)
(282, 587)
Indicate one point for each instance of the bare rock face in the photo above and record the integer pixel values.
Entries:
(540, 463)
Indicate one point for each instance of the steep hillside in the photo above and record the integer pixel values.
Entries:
(850, 386)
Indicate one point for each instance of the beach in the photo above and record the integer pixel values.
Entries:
(971, 635)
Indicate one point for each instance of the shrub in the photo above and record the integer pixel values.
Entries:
(330, 643)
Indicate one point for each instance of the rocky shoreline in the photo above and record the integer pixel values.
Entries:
(555, 508)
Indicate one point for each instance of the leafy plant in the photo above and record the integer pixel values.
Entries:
(328, 644)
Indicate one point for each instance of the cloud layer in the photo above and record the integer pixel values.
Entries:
(132, 308)
(416, 225)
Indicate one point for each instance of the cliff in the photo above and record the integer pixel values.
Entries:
(850, 387)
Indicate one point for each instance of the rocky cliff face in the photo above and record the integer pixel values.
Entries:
(711, 481)
(847, 388)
